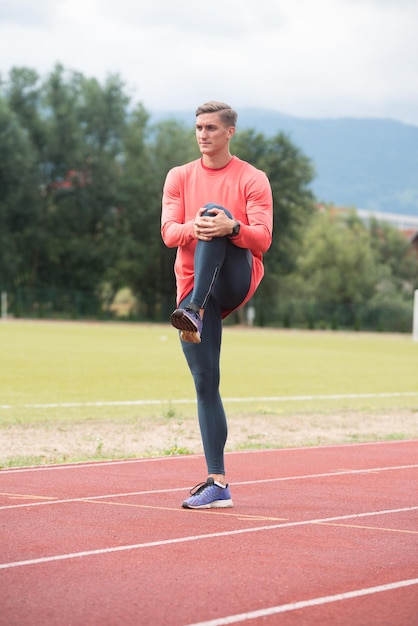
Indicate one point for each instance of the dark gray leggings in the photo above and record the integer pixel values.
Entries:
(222, 281)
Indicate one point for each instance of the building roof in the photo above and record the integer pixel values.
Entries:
(402, 222)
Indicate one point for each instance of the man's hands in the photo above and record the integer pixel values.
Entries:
(216, 225)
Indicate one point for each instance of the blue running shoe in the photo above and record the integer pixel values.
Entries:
(189, 322)
(209, 495)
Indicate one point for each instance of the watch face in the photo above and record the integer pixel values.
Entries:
(235, 230)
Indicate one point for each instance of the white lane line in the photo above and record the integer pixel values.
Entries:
(294, 606)
(369, 470)
(178, 540)
(90, 498)
(99, 403)
(332, 474)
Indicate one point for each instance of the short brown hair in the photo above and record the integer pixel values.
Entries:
(226, 113)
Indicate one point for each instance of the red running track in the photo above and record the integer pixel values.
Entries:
(317, 536)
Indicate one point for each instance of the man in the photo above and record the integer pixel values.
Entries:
(218, 212)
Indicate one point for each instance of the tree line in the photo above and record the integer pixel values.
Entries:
(81, 173)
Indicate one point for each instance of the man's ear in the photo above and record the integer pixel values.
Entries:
(231, 132)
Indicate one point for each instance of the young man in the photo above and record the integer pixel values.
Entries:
(218, 212)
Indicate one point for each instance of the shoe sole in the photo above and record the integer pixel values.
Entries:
(189, 330)
(216, 504)
(182, 322)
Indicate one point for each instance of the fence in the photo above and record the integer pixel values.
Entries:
(388, 317)
(53, 303)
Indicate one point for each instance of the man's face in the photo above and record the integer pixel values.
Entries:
(212, 135)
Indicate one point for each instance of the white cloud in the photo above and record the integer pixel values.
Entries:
(211, 20)
(27, 12)
(323, 58)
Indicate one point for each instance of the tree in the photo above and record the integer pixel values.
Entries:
(337, 263)
(149, 154)
(393, 253)
(23, 94)
(76, 127)
(82, 201)
(290, 173)
(19, 201)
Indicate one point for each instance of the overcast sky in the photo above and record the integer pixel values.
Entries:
(309, 58)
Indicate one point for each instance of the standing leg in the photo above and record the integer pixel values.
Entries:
(222, 278)
(227, 271)
(203, 362)
(230, 285)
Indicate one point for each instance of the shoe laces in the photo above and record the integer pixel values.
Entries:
(200, 487)
(193, 312)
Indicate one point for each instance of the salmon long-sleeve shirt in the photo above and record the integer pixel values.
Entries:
(239, 187)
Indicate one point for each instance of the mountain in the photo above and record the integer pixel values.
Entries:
(369, 164)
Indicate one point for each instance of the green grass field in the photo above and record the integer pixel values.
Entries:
(59, 373)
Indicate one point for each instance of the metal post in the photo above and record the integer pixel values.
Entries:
(250, 315)
(3, 305)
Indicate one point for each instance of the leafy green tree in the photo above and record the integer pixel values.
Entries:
(81, 177)
(23, 93)
(393, 252)
(19, 201)
(290, 173)
(149, 154)
(337, 263)
(136, 267)
(82, 128)
(350, 274)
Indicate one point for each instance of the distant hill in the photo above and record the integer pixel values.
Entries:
(365, 163)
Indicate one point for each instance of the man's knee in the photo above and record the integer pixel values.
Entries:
(212, 205)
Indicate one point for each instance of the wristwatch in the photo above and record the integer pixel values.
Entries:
(235, 230)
